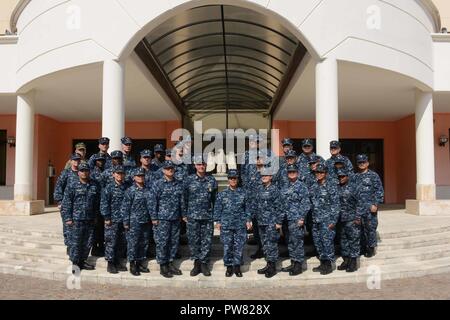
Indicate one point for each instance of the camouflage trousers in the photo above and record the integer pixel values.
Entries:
(200, 234)
(115, 241)
(167, 237)
(66, 232)
(296, 244)
(81, 238)
(137, 241)
(233, 245)
(350, 239)
(323, 239)
(269, 238)
(369, 224)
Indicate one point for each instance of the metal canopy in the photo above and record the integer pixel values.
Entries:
(222, 58)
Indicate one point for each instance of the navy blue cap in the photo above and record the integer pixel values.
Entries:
(291, 153)
(335, 144)
(146, 153)
(253, 137)
(321, 168)
(168, 152)
(84, 167)
(158, 148)
(168, 164)
(139, 172)
(117, 154)
(75, 156)
(233, 174)
(198, 159)
(342, 172)
(267, 171)
(99, 157)
(103, 140)
(313, 159)
(361, 158)
(287, 142)
(307, 142)
(126, 140)
(339, 159)
(118, 169)
(292, 167)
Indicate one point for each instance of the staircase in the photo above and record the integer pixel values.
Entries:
(410, 247)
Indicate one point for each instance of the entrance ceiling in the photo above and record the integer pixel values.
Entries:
(222, 58)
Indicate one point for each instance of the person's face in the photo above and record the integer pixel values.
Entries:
(119, 176)
(338, 165)
(81, 152)
(201, 168)
(335, 151)
(260, 161)
(233, 182)
(84, 174)
(307, 149)
(103, 147)
(139, 179)
(266, 179)
(169, 172)
(99, 163)
(286, 148)
(179, 152)
(158, 155)
(168, 157)
(290, 160)
(75, 163)
(314, 166)
(253, 144)
(343, 179)
(320, 176)
(127, 147)
(363, 165)
(293, 175)
(145, 161)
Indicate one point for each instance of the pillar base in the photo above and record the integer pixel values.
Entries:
(21, 208)
(428, 207)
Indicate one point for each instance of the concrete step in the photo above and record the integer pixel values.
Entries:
(218, 280)
(423, 240)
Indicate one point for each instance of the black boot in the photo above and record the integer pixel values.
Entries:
(263, 270)
(289, 268)
(237, 271)
(140, 266)
(134, 270)
(111, 268)
(174, 270)
(297, 269)
(258, 254)
(370, 252)
(196, 270)
(86, 266)
(327, 269)
(271, 270)
(165, 271)
(229, 272)
(353, 265)
(319, 268)
(344, 265)
(120, 266)
(205, 270)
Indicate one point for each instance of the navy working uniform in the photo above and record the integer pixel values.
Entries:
(110, 208)
(98, 247)
(372, 193)
(129, 162)
(232, 213)
(325, 212)
(156, 162)
(107, 174)
(108, 159)
(302, 161)
(199, 196)
(66, 177)
(78, 206)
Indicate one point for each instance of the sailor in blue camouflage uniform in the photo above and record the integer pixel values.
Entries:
(78, 211)
(146, 164)
(129, 162)
(325, 215)
(296, 204)
(270, 217)
(177, 157)
(282, 179)
(169, 195)
(337, 157)
(159, 155)
(107, 175)
(200, 192)
(350, 220)
(303, 158)
(138, 203)
(233, 219)
(372, 194)
(335, 165)
(110, 207)
(66, 177)
(98, 247)
(103, 146)
(248, 159)
(309, 177)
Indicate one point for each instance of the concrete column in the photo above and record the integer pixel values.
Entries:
(426, 183)
(327, 105)
(113, 112)
(23, 184)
